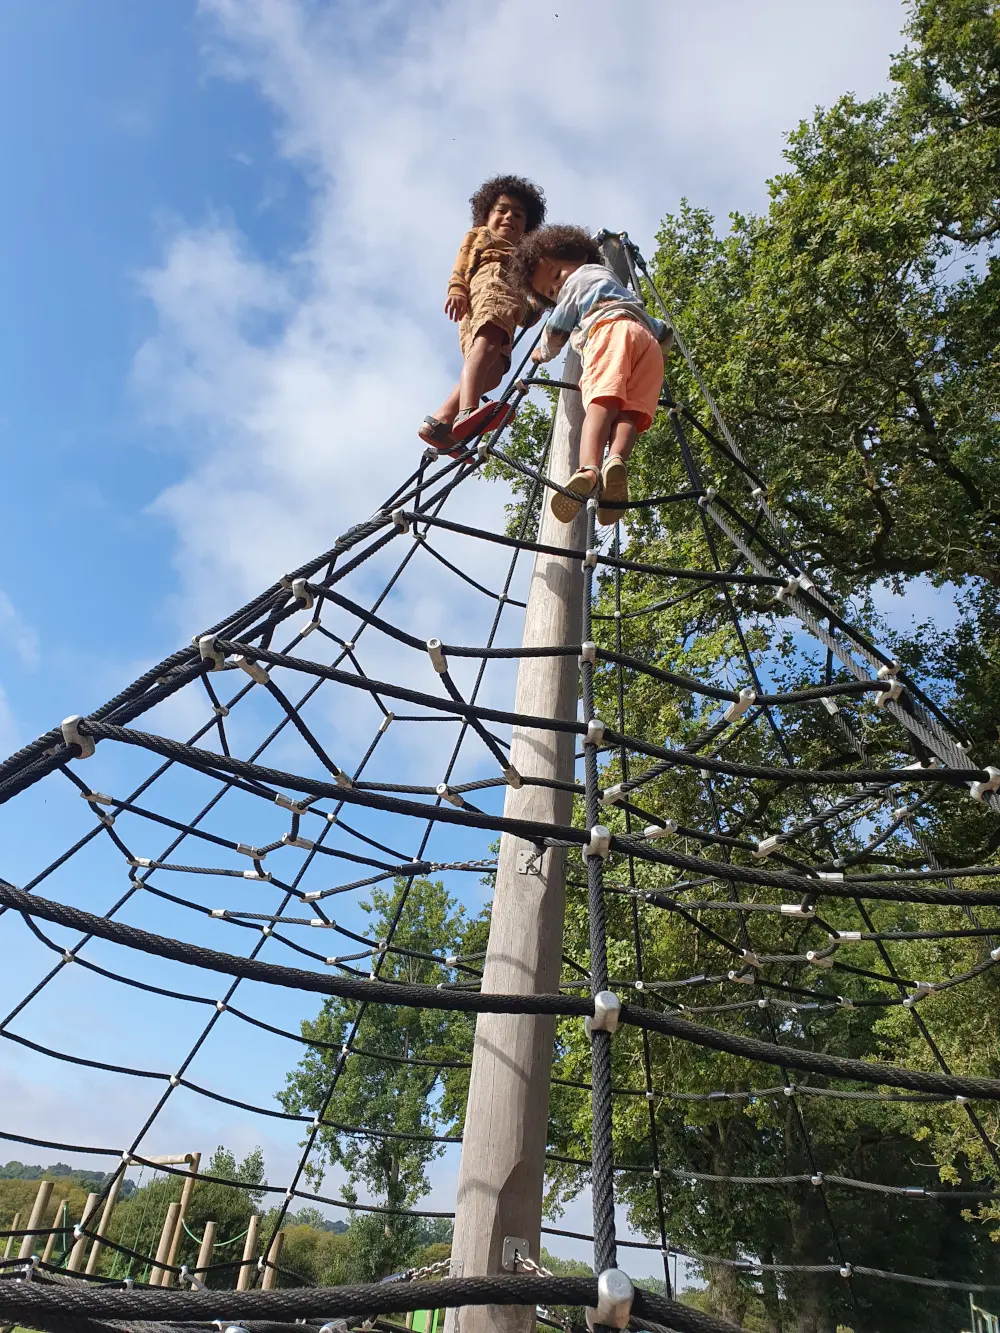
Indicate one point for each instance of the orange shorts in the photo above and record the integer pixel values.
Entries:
(622, 360)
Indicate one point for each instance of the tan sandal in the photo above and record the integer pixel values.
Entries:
(581, 484)
(614, 492)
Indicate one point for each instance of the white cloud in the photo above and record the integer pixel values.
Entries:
(9, 734)
(298, 384)
(16, 633)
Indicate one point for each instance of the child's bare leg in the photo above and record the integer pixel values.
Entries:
(483, 369)
(614, 476)
(491, 376)
(623, 436)
(448, 410)
(598, 426)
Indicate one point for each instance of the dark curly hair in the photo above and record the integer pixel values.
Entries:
(559, 242)
(518, 188)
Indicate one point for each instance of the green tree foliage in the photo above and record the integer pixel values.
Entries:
(17, 1194)
(850, 336)
(138, 1221)
(404, 1093)
(852, 331)
(94, 1180)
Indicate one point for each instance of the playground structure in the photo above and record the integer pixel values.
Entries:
(981, 1321)
(269, 835)
(65, 1246)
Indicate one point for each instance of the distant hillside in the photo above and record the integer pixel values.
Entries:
(91, 1180)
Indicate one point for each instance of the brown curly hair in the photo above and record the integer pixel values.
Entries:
(558, 242)
(518, 188)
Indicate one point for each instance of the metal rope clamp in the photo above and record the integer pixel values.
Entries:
(740, 706)
(661, 830)
(895, 687)
(211, 653)
(978, 789)
(599, 844)
(788, 589)
(767, 846)
(595, 732)
(607, 1009)
(299, 588)
(615, 1294)
(253, 669)
(72, 735)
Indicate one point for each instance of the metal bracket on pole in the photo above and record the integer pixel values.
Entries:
(514, 1248)
(529, 862)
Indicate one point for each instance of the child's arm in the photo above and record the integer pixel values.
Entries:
(456, 306)
(561, 324)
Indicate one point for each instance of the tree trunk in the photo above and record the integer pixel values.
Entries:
(726, 1294)
(772, 1303)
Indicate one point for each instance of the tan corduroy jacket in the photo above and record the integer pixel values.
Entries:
(480, 246)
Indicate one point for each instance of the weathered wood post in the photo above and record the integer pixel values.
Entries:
(10, 1239)
(506, 1127)
(77, 1252)
(271, 1260)
(193, 1160)
(206, 1247)
(35, 1218)
(57, 1230)
(163, 1249)
(102, 1226)
(249, 1249)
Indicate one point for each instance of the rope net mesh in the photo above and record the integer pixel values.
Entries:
(301, 809)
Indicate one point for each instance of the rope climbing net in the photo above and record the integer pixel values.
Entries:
(190, 883)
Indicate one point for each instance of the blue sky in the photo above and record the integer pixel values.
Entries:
(227, 233)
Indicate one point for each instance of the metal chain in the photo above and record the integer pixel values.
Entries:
(441, 1266)
(530, 1266)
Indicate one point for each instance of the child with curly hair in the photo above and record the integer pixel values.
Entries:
(622, 350)
(486, 307)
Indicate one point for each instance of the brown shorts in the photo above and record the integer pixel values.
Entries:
(491, 301)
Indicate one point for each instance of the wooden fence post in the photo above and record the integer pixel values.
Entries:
(35, 1218)
(206, 1247)
(76, 1255)
(57, 1230)
(270, 1278)
(249, 1247)
(102, 1226)
(10, 1239)
(194, 1161)
(163, 1249)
